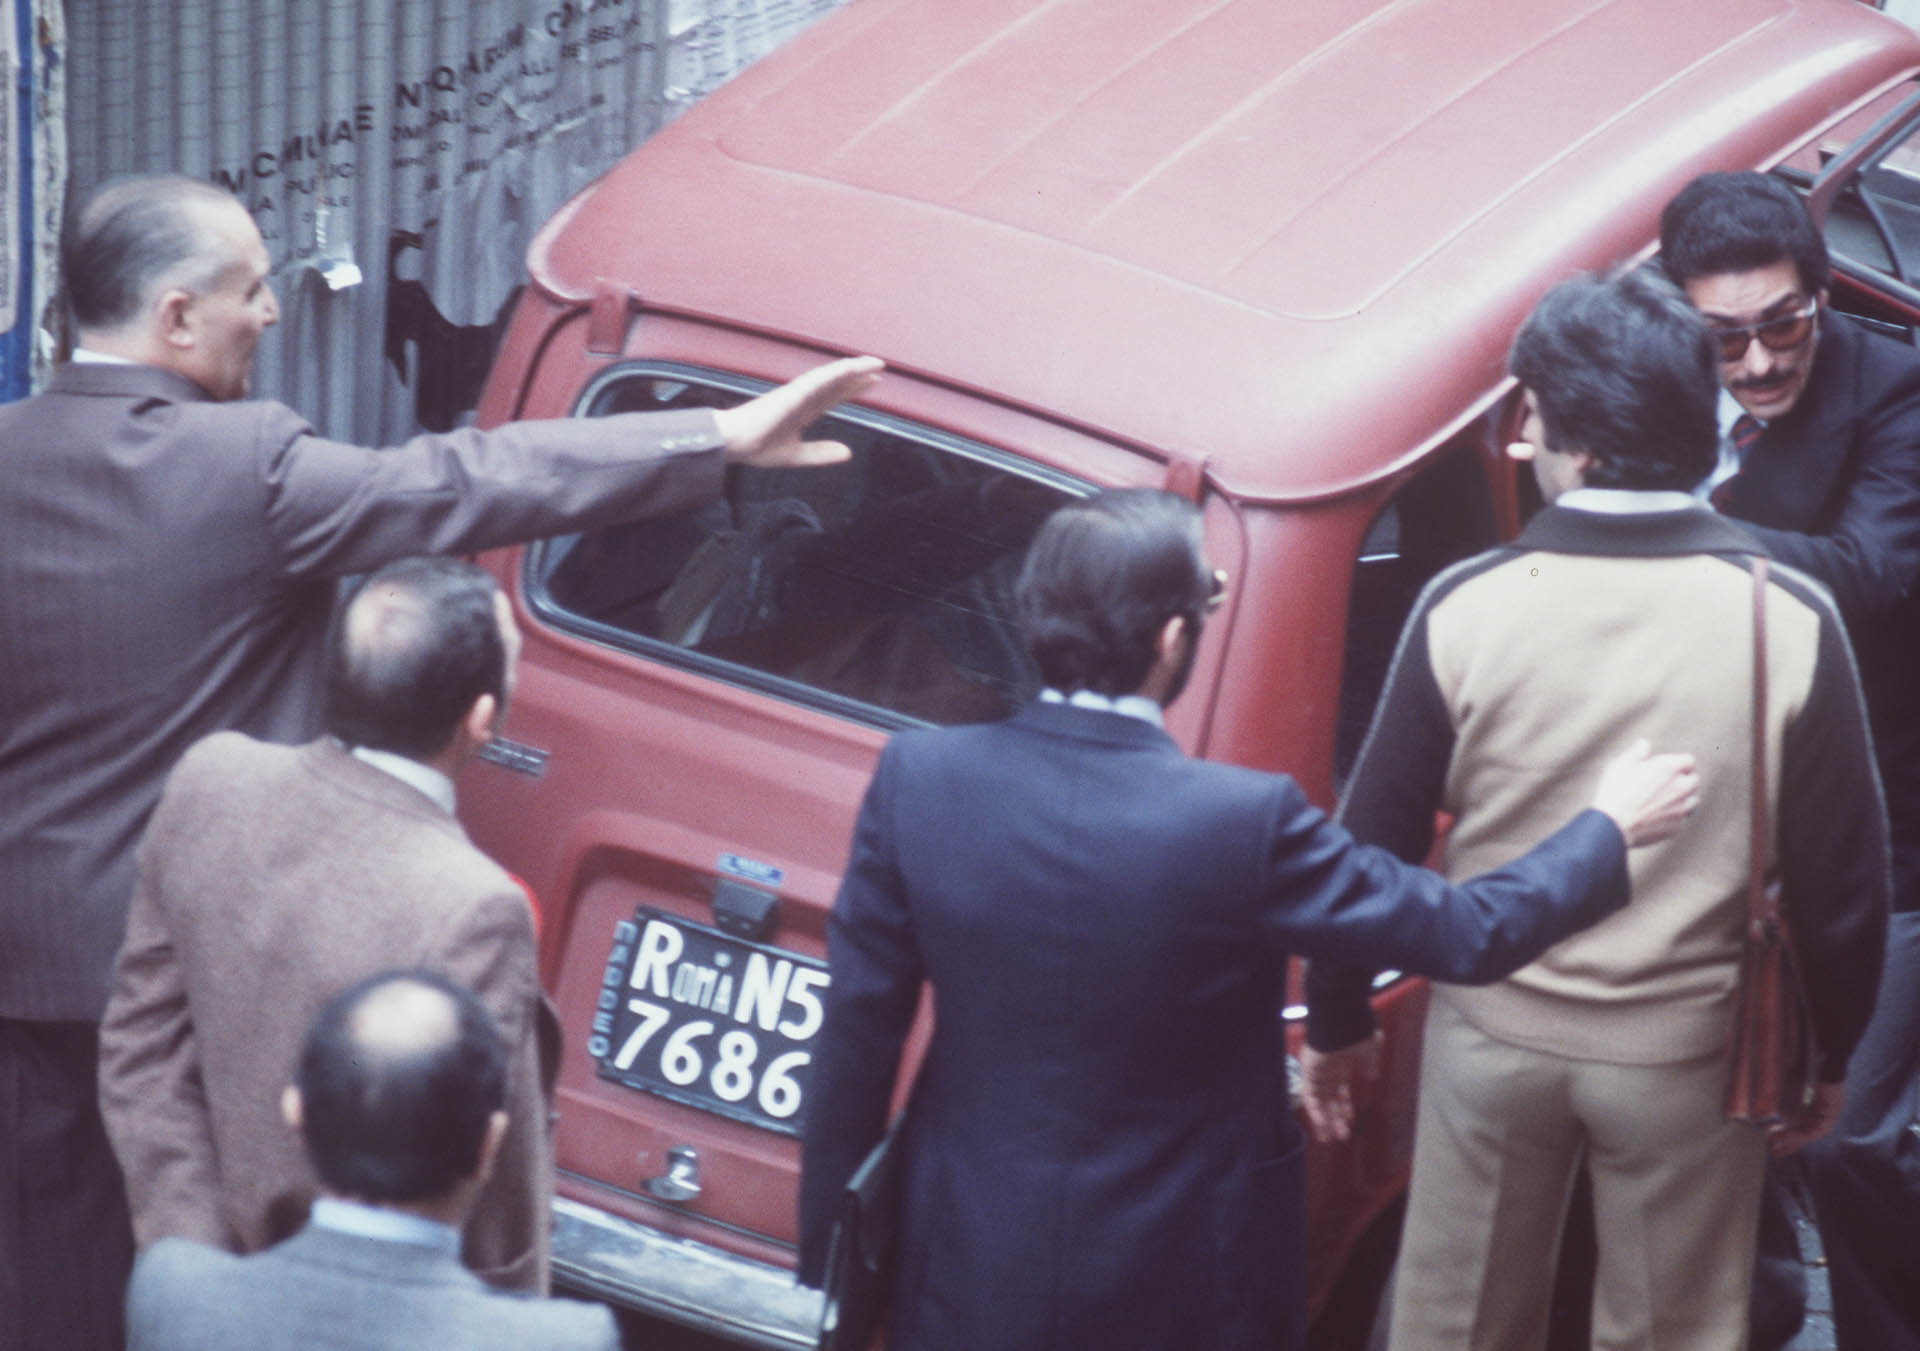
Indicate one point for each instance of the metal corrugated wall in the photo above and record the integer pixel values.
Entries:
(419, 141)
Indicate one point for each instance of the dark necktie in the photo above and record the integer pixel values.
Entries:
(1745, 431)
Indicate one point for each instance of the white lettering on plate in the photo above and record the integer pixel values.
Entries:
(660, 944)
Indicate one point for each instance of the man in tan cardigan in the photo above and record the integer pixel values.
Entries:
(1623, 610)
(272, 877)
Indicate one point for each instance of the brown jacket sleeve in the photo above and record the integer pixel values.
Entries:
(490, 949)
(151, 1094)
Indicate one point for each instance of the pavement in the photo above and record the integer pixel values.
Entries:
(1816, 1334)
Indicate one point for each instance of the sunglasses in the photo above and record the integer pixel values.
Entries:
(1776, 335)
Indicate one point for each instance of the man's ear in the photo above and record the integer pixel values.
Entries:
(490, 1146)
(478, 724)
(1166, 642)
(172, 317)
(293, 1111)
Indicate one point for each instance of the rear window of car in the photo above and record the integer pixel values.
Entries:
(881, 589)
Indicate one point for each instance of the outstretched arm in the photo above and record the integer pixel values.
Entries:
(1336, 899)
(765, 432)
(1648, 797)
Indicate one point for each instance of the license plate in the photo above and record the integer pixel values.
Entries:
(704, 1018)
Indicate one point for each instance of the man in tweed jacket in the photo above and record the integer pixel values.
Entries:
(273, 876)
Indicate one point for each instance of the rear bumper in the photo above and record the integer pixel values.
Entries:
(679, 1279)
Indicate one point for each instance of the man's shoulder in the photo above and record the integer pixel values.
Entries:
(225, 751)
(174, 1283)
(1141, 757)
(1809, 594)
(1862, 372)
(186, 1294)
(226, 764)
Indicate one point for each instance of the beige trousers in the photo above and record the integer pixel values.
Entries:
(1501, 1132)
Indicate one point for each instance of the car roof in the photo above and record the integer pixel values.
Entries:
(1292, 238)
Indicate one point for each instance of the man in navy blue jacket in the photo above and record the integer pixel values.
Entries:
(1820, 460)
(1098, 1150)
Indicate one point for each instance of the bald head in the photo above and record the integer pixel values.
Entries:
(136, 235)
(418, 644)
(399, 1078)
(403, 1018)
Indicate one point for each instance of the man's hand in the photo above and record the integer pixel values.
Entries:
(765, 432)
(1815, 1122)
(1326, 1084)
(1647, 795)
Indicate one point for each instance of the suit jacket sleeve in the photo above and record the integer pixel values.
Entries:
(1332, 898)
(877, 970)
(335, 509)
(151, 1095)
(489, 949)
(1390, 801)
(1836, 875)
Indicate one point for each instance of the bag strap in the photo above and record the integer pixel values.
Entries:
(1762, 910)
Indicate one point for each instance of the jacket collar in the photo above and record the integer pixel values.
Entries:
(1093, 725)
(120, 381)
(1652, 534)
(329, 760)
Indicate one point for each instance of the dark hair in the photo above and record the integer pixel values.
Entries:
(1102, 575)
(394, 1110)
(415, 646)
(1623, 368)
(1736, 222)
(132, 233)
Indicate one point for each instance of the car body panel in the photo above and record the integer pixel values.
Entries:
(1298, 284)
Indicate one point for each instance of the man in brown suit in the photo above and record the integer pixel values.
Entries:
(272, 877)
(171, 552)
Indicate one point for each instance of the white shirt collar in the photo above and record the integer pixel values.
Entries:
(412, 773)
(1728, 411)
(86, 356)
(1626, 501)
(389, 1226)
(1128, 705)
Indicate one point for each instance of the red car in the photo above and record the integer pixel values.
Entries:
(1268, 256)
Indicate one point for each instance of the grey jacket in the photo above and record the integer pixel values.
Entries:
(321, 1288)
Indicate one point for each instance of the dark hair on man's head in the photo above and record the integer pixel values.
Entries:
(1102, 575)
(415, 646)
(1623, 368)
(1736, 222)
(130, 236)
(398, 1078)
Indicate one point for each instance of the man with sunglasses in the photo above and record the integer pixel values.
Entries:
(1820, 458)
